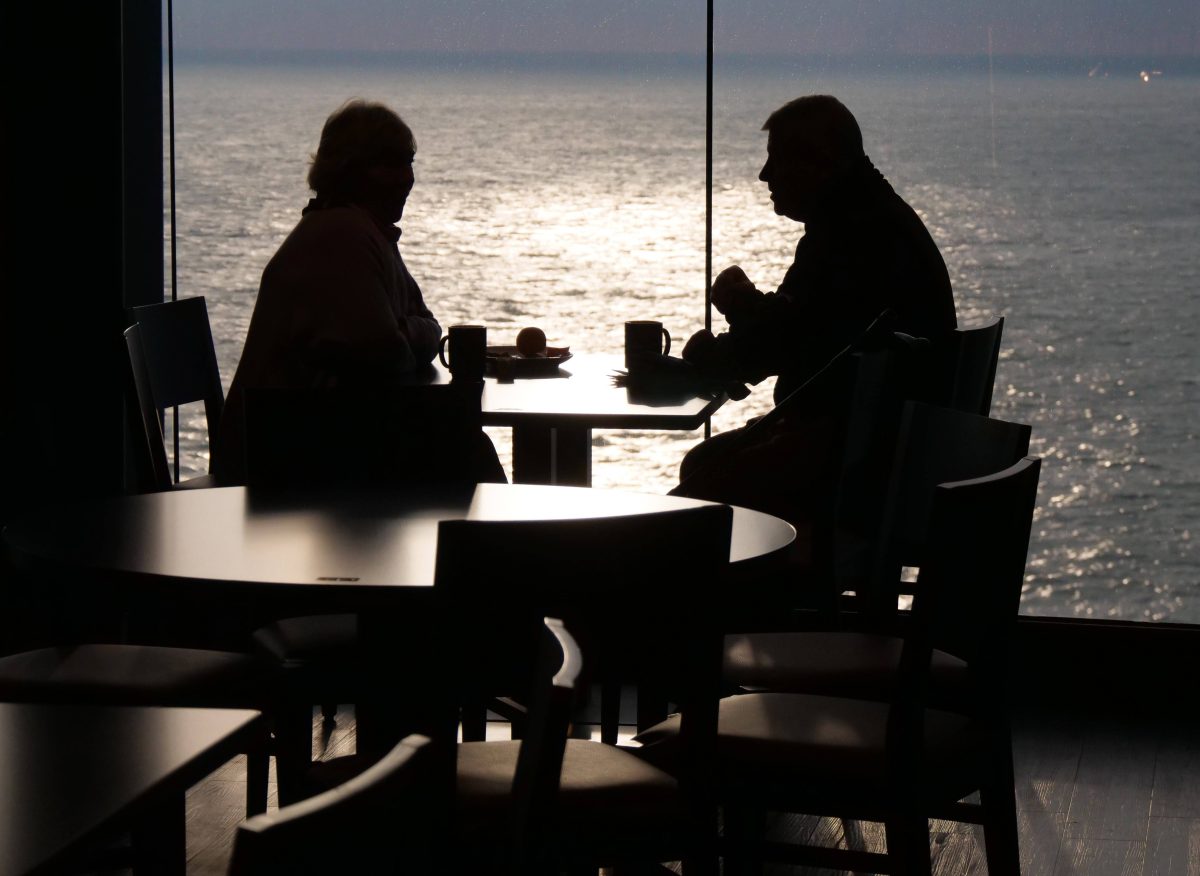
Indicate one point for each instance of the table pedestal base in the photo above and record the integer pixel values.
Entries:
(552, 455)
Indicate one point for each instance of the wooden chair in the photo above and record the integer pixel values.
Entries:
(173, 362)
(898, 761)
(861, 659)
(612, 808)
(956, 372)
(397, 814)
(375, 822)
(148, 675)
(969, 360)
(399, 437)
(495, 580)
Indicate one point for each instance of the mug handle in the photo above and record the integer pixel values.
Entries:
(667, 338)
(442, 350)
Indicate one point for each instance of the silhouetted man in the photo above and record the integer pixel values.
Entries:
(864, 250)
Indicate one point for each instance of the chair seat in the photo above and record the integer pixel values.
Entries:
(323, 637)
(604, 792)
(782, 742)
(844, 664)
(200, 482)
(131, 674)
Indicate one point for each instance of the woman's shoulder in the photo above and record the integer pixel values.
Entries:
(337, 222)
(335, 234)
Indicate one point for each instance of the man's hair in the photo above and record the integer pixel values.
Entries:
(356, 135)
(818, 121)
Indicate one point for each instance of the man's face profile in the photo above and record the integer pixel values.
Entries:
(795, 172)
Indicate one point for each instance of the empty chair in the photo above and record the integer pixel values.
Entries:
(147, 675)
(936, 445)
(969, 361)
(397, 815)
(375, 822)
(396, 437)
(494, 581)
(173, 362)
(898, 761)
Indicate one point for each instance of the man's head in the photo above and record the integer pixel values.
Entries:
(365, 157)
(810, 140)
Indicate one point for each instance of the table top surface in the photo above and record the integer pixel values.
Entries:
(582, 392)
(71, 773)
(322, 539)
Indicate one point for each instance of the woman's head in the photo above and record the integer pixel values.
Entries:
(365, 157)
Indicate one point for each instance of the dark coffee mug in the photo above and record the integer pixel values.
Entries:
(645, 341)
(468, 351)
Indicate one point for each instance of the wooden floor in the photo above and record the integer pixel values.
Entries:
(1096, 796)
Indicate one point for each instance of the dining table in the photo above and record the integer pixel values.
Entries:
(78, 776)
(340, 548)
(327, 550)
(553, 410)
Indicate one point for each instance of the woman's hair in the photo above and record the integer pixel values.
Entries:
(357, 135)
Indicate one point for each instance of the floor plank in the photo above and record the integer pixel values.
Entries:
(1177, 763)
(1115, 783)
(1173, 847)
(1088, 856)
(1046, 761)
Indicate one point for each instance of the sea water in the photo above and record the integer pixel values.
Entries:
(574, 200)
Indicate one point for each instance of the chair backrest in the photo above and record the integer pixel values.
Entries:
(399, 436)
(971, 581)
(376, 822)
(539, 761)
(967, 601)
(884, 381)
(640, 592)
(970, 361)
(936, 445)
(177, 365)
(149, 416)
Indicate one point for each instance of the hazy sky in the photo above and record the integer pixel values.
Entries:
(1086, 28)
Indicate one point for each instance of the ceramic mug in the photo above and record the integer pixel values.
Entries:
(645, 341)
(467, 351)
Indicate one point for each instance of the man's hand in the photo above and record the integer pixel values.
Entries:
(700, 348)
(733, 291)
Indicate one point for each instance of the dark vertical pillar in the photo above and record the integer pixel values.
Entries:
(72, 227)
(142, 161)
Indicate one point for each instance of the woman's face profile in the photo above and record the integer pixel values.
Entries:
(391, 179)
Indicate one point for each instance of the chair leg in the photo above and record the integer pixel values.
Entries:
(852, 831)
(293, 750)
(610, 710)
(258, 769)
(745, 829)
(908, 844)
(474, 722)
(1000, 831)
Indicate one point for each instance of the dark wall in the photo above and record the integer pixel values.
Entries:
(82, 214)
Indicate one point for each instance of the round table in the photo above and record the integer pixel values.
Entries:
(321, 552)
(339, 547)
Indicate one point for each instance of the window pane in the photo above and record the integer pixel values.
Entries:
(1060, 179)
(559, 171)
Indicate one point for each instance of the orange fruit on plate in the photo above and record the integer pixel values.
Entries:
(531, 341)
